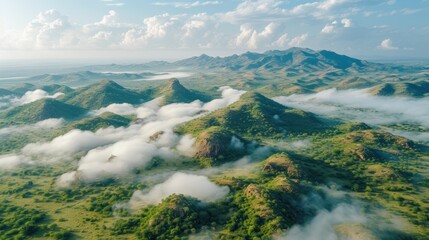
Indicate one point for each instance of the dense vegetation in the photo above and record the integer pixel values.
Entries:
(382, 171)
(22, 223)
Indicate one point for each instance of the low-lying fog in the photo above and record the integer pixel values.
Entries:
(359, 105)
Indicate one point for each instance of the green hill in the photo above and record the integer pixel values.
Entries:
(101, 95)
(410, 89)
(175, 216)
(104, 120)
(174, 92)
(41, 110)
(213, 147)
(56, 88)
(23, 88)
(255, 116)
(5, 92)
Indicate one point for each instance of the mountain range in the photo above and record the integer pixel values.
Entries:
(276, 166)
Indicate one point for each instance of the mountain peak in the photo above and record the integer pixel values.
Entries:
(254, 98)
(103, 94)
(43, 109)
(175, 92)
(204, 56)
(107, 82)
(175, 85)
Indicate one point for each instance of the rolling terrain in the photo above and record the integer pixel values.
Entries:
(278, 154)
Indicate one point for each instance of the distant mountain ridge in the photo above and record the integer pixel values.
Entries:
(275, 59)
(83, 77)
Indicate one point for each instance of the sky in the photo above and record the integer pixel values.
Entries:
(143, 30)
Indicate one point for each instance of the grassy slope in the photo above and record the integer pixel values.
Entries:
(103, 94)
(255, 116)
(40, 110)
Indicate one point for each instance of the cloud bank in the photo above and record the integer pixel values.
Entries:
(322, 226)
(358, 105)
(196, 186)
(42, 125)
(119, 151)
(28, 97)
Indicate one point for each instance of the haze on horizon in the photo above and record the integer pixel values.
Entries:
(127, 30)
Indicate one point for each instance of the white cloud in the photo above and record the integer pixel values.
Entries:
(320, 9)
(322, 226)
(281, 41)
(75, 141)
(42, 125)
(119, 159)
(328, 28)
(387, 44)
(331, 27)
(346, 22)
(358, 105)
(118, 151)
(252, 39)
(101, 36)
(49, 30)
(254, 9)
(115, 4)
(32, 96)
(187, 4)
(117, 108)
(298, 40)
(11, 161)
(199, 187)
(67, 179)
(158, 30)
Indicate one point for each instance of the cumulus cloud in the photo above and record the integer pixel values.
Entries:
(358, 105)
(196, 186)
(48, 29)
(387, 44)
(200, 31)
(120, 158)
(334, 25)
(32, 96)
(76, 141)
(346, 22)
(298, 40)
(252, 39)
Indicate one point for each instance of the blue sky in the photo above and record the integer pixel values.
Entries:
(160, 29)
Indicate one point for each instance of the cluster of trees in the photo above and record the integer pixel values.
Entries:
(21, 223)
(103, 203)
